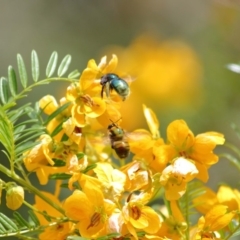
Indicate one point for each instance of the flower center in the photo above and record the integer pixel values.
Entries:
(135, 212)
(95, 219)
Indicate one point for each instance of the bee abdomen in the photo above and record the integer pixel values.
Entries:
(121, 148)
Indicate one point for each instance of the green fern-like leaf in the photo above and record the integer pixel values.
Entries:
(22, 223)
(4, 94)
(57, 129)
(8, 223)
(6, 130)
(52, 64)
(57, 112)
(35, 66)
(2, 229)
(61, 176)
(74, 74)
(22, 71)
(63, 67)
(33, 218)
(194, 189)
(12, 81)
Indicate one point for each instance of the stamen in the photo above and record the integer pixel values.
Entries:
(136, 213)
(95, 219)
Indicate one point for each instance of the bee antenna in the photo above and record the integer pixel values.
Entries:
(115, 121)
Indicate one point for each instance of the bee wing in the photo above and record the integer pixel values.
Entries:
(99, 140)
(128, 78)
(139, 135)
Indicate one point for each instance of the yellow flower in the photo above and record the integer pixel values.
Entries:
(90, 210)
(39, 155)
(87, 102)
(225, 196)
(215, 219)
(175, 177)
(229, 197)
(148, 146)
(198, 149)
(112, 180)
(72, 131)
(49, 105)
(206, 201)
(171, 229)
(39, 159)
(137, 216)
(137, 176)
(58, 231)
(88, 80)
(85, 106)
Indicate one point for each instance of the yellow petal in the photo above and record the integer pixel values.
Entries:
(202, 172)
(152, 121)
(227, 197)
(175, 191)
(79, 118)
(111, 65)
(111, 113)
(104, 171)
(92, 232)
(222, 221)
(184, 168)
(71, 93)
(216, 212)
(41, 205)
(49, 104)
(97, 109)
(214, 137)
(78, 206)
(176, 211)
(206, 201)
(180, 135)
(92, 64)
(153, 218)
(87, 78)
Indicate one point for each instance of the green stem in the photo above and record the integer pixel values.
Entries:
(233, 148)
(18, 233)
(232, 159)
(29, 88)
(20, 168)
(36, 210)
(31, 188)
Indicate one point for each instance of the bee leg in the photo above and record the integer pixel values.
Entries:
(103, 88)
(107, 89)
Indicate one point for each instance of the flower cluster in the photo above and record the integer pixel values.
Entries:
(115, 194)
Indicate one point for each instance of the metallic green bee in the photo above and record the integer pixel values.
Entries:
(111, 82)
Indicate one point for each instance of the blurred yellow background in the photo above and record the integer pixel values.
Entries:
(175, 50)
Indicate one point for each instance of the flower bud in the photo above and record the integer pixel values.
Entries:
(14, 197)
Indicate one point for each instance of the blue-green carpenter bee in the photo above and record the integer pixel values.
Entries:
(111, 82)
